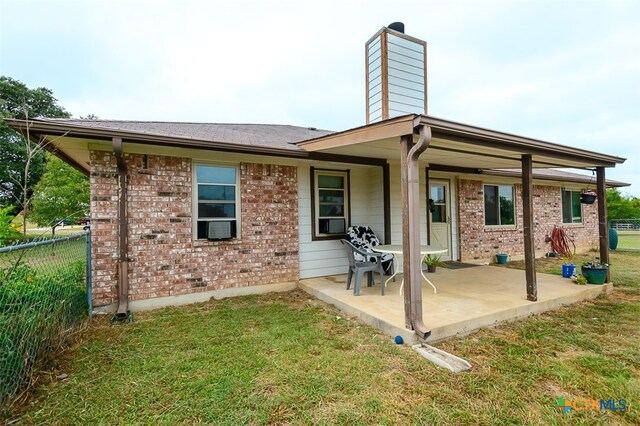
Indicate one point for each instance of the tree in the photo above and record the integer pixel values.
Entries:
(622, 207)
(61, 192)
(8, 232)
(18, 101)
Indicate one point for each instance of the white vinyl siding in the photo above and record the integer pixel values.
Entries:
(396, 205)
(327, 257)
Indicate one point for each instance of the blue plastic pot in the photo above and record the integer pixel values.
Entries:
(568, 270)
(502, 258)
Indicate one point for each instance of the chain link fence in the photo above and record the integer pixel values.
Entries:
(625, 224)
(43, 295)
(627, 234)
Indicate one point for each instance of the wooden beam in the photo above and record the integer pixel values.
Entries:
(453, 169)
(384, 75)
(388, 129)
(603, 219)
(386, 194)
(426, 86)
(428, 212)
(527, 218)
(366, 81)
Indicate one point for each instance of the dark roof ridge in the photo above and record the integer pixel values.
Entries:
(113, 120)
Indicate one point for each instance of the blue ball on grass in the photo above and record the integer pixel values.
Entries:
(399, 340)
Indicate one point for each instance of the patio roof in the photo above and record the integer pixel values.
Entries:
(456, 144)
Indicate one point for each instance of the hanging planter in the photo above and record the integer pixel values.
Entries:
(588, 197)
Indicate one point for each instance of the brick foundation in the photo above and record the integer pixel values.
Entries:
(480, 242)
(163, 258)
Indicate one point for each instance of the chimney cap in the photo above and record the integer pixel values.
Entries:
(397, 26)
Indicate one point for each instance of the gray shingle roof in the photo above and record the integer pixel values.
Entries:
(264, 135)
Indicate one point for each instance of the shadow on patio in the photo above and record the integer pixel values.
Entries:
(467, 299)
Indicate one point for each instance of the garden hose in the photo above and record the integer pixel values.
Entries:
(560, 243)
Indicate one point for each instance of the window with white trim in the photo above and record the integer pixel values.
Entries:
(499, 206)
(571, 207)
(331, 202)
(215, 198)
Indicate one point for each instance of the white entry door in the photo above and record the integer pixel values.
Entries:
(439, 215)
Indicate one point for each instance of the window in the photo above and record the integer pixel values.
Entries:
(216, 195)
(438, 203)
(331, 202)
(571, 207)
(499, 205)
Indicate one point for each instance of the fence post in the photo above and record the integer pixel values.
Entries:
(88, 272)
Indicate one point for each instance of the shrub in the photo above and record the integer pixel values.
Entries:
(35, 312)
(8, 231)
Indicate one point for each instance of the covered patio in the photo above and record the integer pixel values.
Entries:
(480, 299)
(467, 299)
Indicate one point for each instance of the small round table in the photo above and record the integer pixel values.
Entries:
(397, 249)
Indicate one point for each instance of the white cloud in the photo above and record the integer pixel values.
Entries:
(571, 76)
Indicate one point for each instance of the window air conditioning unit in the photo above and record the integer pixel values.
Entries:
(221, 230)
(336, 226)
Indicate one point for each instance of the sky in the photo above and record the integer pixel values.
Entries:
(562, 71)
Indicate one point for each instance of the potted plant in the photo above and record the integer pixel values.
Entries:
(588, 197)
(595, 271)
(433, 262)
(579, 279)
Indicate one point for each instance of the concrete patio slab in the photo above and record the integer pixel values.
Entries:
(467, 299)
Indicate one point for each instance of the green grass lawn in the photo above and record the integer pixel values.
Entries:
(290, 359)
(628, 240)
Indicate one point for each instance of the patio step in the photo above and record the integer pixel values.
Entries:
(442, 358)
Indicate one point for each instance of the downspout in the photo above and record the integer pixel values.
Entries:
(412, 236)
(123, 263)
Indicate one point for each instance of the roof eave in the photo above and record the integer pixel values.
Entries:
(450, 130)
(481, 136)
(72, 130)
(585, 180)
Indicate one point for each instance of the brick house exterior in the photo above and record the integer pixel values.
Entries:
(164, 259)
(480, 242)
(273, 164)
(281, 238)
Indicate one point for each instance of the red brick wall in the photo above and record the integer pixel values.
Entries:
(163, 258)
(480, 242)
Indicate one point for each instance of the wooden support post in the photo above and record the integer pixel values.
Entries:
(527, 213)
(386, 194)
(603, 219)
(406, 143)
(428, 212)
